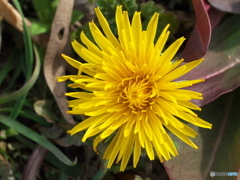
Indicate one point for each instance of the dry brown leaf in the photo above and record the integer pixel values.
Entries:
(11, 15)
(54, 65)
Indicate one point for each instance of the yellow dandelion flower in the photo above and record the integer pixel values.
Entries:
(130, 92)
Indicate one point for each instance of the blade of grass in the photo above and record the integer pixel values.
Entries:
(7, 66)
(73, 171)
(29, 133)
(28, 62)
(17, 107)
(16, 72)
(27, 86)
(32, 116)
(28, 115)
(27, 43)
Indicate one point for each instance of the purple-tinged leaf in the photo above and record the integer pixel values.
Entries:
(218, 148)
(232, 6)
(198, 42)
(215, 17)
(221, 68)
(34, 163)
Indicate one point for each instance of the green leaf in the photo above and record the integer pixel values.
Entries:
(11, 132)
(167, 18)
(130, 6)
(218, 148)
(76, 16)
(36, 137)
(149, 8)
(45, 9)
(39, 28)
(108, 8)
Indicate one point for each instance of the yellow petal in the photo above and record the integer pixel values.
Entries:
(87, 122)
(64, 78)
(181, 70)
(136, 28)
(149, 149)
(137, 151)
(127, 153)
(105, 26)
(162, 40)
(116, 148)
(82, 95)
(171, 147)
(152, 27)
(72, 62)
(91, 46)
(164, 64)
(181, 136)
(96, 141)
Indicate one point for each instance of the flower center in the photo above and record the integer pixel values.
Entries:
(137, 93)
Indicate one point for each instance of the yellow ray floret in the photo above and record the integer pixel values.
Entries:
(129, 92)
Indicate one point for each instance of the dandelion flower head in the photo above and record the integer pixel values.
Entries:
(128, 90)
